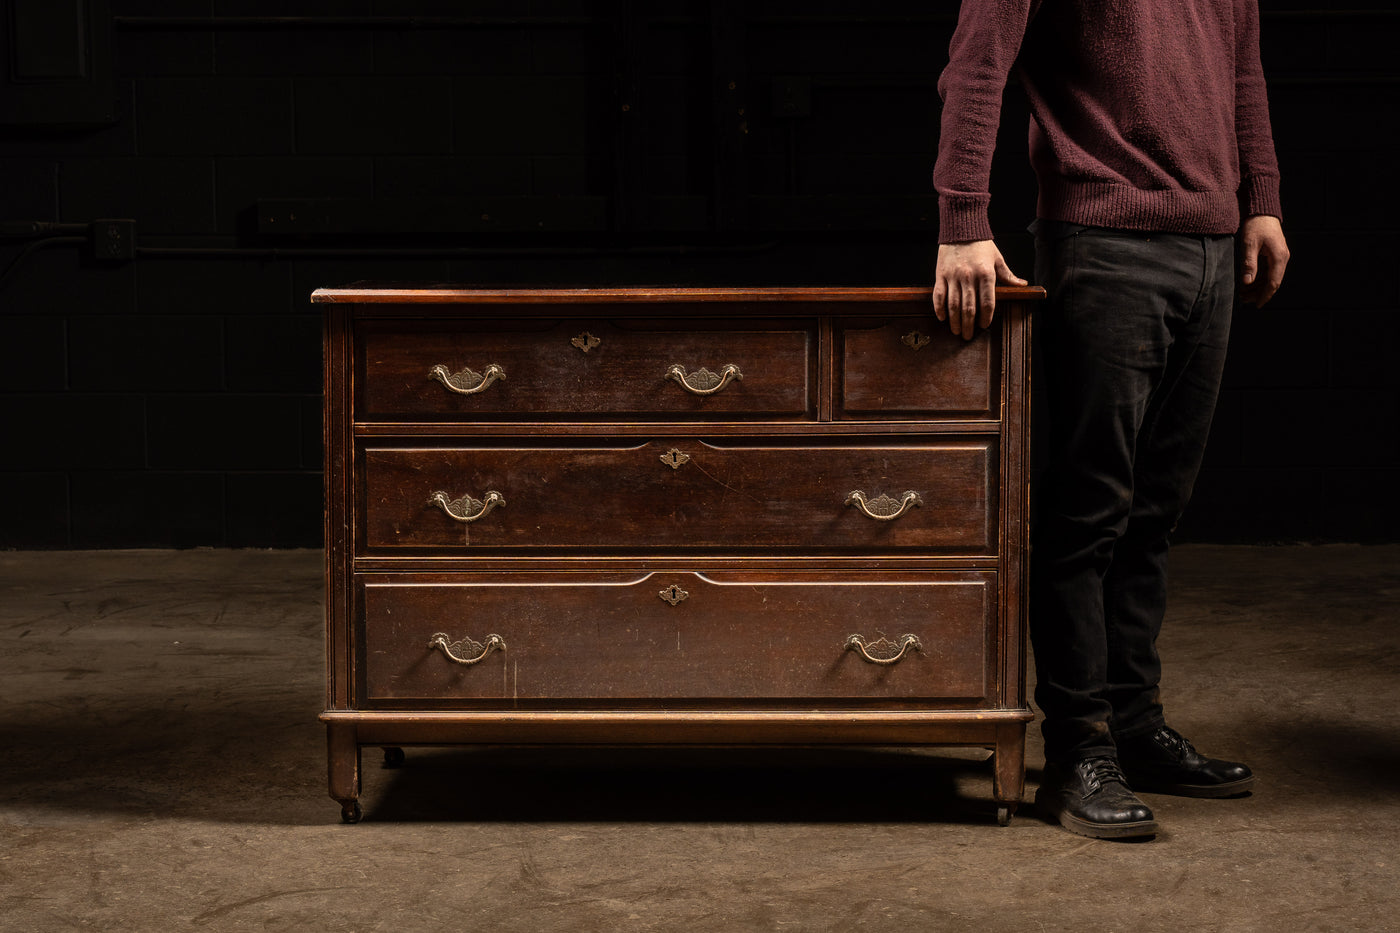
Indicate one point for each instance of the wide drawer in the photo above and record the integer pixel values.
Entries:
(525, 638)
(457, 370)
(915, 366)
(934, 495)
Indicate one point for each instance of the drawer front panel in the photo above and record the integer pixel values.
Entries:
(674, 636)
(550, 370)
(916, 366)
(935, 496)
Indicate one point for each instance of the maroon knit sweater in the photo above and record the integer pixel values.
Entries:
(1146, 114)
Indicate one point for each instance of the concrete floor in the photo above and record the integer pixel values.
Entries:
(163, 769)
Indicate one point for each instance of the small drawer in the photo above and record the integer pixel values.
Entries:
(520, 638)
(914, 366)
(533, 370)
(932, 495)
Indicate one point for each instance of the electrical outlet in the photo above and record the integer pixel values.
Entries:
(114, 239)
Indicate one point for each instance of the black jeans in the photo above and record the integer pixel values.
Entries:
(1133, 336)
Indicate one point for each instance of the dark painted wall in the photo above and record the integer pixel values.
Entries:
(266, 147)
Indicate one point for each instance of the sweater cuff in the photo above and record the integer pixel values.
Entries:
(963, 219)
(1259, 195)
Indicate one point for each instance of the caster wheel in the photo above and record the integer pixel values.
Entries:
(351, 812)
(1003, 816)
(393, 757)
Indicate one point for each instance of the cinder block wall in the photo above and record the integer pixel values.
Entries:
(266, 148)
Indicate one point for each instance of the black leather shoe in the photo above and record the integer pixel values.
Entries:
(1165, 763)
(1090, 797)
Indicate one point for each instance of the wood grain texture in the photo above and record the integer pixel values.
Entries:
(371, 293)
(732, 637)
(682, 726)
(718, 494)
(615, 487)
(912, 367)
(547, 375)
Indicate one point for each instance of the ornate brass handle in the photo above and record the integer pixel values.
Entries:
(702, 381)
(467, 509)
(466, 381)
(883, 508)
(883, 644)
(494, 642)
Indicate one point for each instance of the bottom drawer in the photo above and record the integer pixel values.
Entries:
(523, 637)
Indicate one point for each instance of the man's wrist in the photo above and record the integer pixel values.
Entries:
(963, 220)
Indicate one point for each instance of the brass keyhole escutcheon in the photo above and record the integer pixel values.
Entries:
(915, 340)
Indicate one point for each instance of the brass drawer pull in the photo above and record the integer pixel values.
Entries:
(467, 509)
(883, 508)
(494, 642)
(883, 644)
(466, 381)
(702, 381)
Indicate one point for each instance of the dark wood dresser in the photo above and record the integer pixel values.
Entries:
(659, 516)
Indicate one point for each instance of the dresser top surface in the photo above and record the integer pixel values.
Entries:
(397, 293)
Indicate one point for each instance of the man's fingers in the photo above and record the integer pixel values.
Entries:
(1277, 263)
(1273, 278)
(969, 311)
(986, 303)
(1260, 285)
(965, 282)
(1263, 257)
(1005, 276)
(1249, 261)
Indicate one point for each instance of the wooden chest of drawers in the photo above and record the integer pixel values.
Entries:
(699, 516)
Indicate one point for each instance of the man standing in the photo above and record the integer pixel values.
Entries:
(1152, 148)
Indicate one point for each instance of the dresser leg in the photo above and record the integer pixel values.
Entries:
(343, 765)
(1009, 769)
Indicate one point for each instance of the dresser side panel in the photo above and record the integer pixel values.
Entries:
(338, 505)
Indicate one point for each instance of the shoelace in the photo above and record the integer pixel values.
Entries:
(1175, 742)
(1100, 771)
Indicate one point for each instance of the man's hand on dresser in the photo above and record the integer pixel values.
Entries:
(965, 282)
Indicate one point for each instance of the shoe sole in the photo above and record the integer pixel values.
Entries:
(1232, 789)
(1093, 830)
(1108, 830)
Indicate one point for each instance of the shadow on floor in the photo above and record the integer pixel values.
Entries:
(680, 785)
(263, 762)
(1338, 758)
(132, 757)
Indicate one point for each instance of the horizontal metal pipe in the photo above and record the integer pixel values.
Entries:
(497, 22)
(466, 252)
(346, 22)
